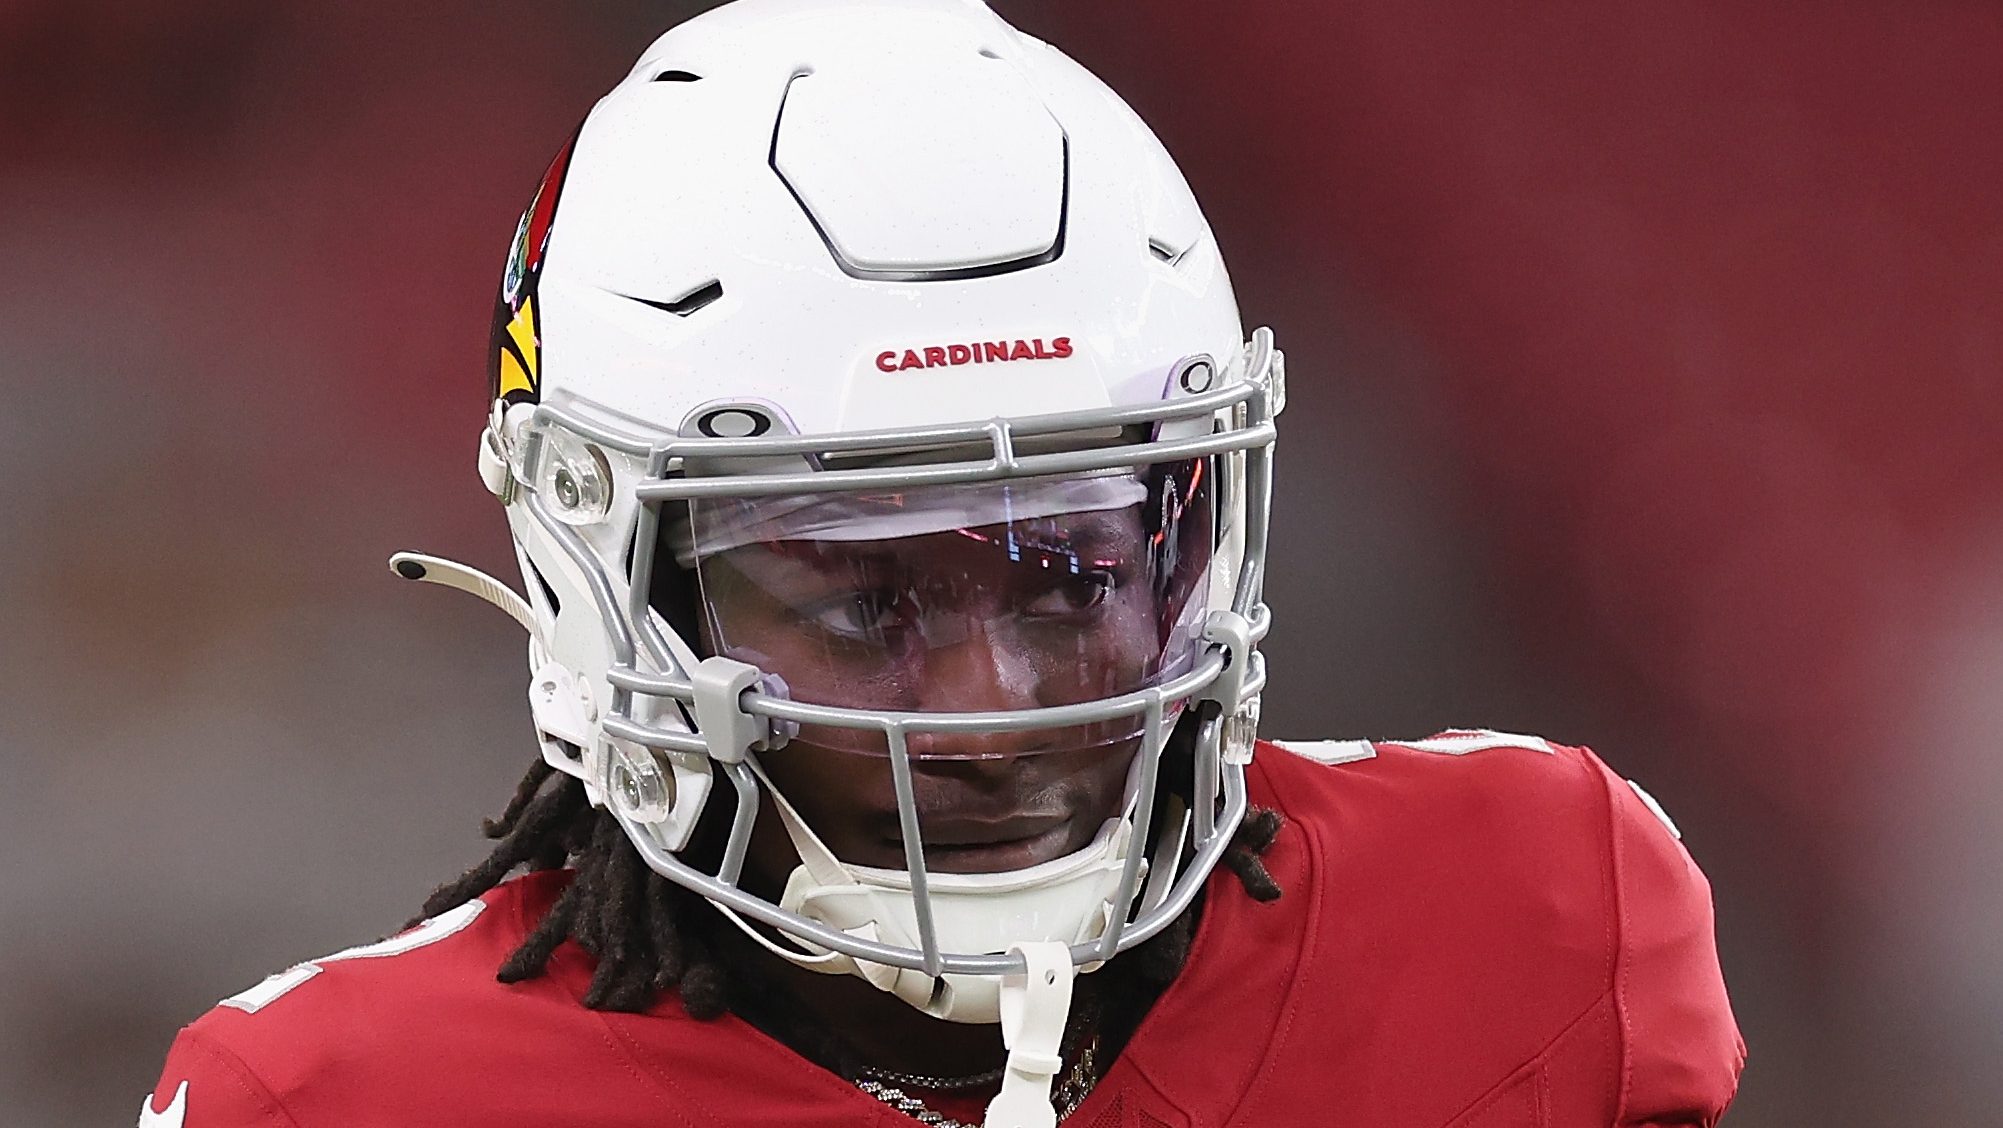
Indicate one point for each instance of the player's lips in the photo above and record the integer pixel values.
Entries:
(964, 831)
(973, 845)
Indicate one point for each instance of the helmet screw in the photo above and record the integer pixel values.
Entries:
(640, 788)
(629, 788)
(566, 488)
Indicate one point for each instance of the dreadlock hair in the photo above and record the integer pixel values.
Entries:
(650, 935)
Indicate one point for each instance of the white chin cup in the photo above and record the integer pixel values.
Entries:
(1065, 900)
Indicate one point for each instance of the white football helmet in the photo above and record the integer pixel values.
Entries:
(826, 272)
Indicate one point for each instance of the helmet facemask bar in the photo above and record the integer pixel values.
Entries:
(654, 683)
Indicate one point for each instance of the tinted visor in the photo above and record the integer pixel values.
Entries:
(993, 596)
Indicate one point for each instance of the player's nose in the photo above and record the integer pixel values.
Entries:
(978, 673)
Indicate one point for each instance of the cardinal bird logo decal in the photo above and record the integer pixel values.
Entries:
(516, 352)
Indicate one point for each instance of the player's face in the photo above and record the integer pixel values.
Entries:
(1009, 616)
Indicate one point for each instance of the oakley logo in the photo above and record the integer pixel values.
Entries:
(974, 352)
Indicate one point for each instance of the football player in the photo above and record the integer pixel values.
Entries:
(889, 473)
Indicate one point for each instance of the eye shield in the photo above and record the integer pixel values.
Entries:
(1017, 594)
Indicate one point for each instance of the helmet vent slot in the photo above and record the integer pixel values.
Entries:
(677, 76)
(548, 593)
(690, 302)
(1165, 253)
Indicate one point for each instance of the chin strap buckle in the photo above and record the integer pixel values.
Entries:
(1034, 1008)
(472, 581)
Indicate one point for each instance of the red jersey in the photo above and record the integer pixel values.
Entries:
(1477, 931)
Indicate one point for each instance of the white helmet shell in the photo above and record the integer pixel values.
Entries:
(863, 179)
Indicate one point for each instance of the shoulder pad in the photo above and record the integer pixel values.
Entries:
(1462, 742)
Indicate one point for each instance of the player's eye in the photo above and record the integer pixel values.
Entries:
(1070, 595)
(863, 614)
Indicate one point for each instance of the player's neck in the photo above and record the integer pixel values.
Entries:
(843, 1023)
(873, 1027)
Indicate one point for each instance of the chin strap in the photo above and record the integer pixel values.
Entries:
(875, 905)
(1034, 1007)
(820, 870)
(819, 862)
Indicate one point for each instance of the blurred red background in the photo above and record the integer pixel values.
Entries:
(1647, 393)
